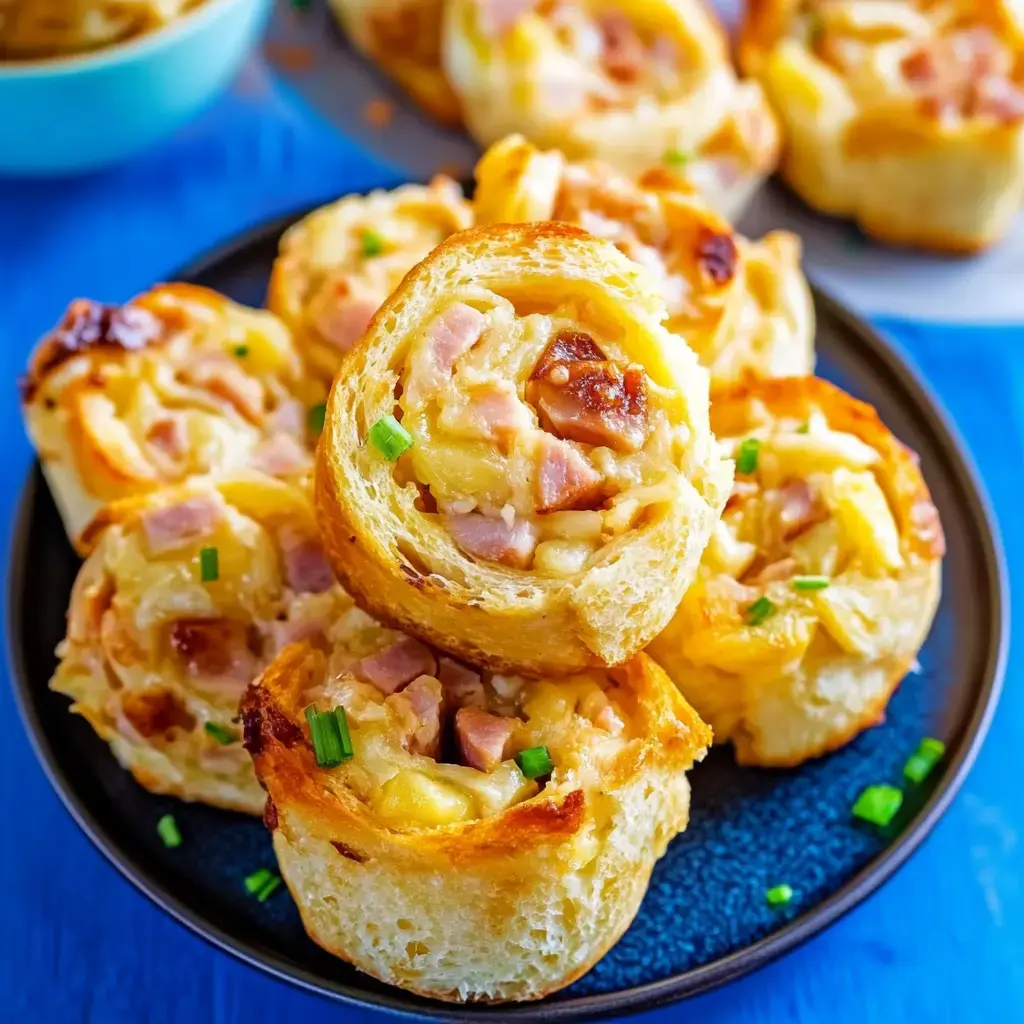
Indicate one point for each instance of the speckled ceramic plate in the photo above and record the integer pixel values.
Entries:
(705, 920)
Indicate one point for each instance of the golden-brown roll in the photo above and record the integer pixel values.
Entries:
(162, 639)
(34, 29)
(179, 382)
(821, 582)
(338, 265)
(429, 858)
(553, 474)
(744, 307)
(635, 85)
(404, 38)
(905, 115)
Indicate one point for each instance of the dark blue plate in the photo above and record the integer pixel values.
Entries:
(705, 920)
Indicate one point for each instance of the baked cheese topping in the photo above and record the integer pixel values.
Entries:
(536, 440)
(435, 742)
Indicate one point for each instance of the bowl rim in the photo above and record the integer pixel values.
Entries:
(181, 27)
(639, 998)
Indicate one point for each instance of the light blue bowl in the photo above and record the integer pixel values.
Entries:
(77, 114)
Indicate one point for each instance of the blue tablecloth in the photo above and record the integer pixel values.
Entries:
(944, 940)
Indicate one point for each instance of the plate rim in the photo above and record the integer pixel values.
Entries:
(636, 999)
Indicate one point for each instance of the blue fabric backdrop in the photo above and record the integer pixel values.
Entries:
(942, 941)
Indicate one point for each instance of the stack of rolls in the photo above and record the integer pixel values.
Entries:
(447, 628)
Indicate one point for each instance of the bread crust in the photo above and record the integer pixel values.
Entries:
(179, 382)
(153, 656)
(403, 565)
(806, 695)
(321, 262)
(508, 907)
(404, 38)
(523, 77)
(887, 156)
(743, 306)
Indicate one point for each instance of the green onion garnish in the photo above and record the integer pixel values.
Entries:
(804, 428)
(534, 762)
(262, 883)
(390, 438)
(209, 565)
(332, 741)
(810, 582)
(676, 158)
(373, 244)
(778, 895)
(167, 829)
(223, 736)
(920, 764)
(759, 611)
(241, 351)
(746, 457)
(316, 416)
(878, 805)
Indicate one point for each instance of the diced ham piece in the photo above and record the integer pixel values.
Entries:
(284, 633)
(567, 347)
(216, 651)
(565, 479)
(496, 413)
(154, 710)
(397, 666)
(594, 403)
(798, 508)
(482, 737)
(783, 569)
(341, 317)
(609, 720)
(422, 700)
(449, 336)
(305, 565)
(222, 376)
(462, 686)
(169, 436)
(624, 54)
(996, 97)
(498, 16)
(493, 539)
(281, 455)
(289, 418)
(177, 525)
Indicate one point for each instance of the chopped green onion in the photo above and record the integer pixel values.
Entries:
(258, 879)
(534, 762)
(223, 736)
(676, 158)
(269, 889)
(746, 457)
(373, 244)
(167, 829)
(332, 741)
(778, 895)
(810, 582)
(316, 415)
(209, 565)
(241, 351)
(390, 438)
(878, 805)
(804, 428)
(920, 764)
(759, 611)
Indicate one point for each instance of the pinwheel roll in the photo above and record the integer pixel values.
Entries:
(634, 84)
(519, 451)
(185, 597)
(480, 836)
(404, 37)
(33, 29)
(340, 263)
(905, 115)
(178, 382)
(821, 582)
(744, 307)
